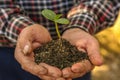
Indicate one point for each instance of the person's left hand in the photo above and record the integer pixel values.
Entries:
(30, 38)
(85, 42)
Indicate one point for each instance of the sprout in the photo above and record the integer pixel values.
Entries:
(49, 14)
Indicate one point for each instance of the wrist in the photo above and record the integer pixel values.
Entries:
(72, 30)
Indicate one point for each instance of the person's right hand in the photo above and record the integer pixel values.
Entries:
(83, 42)
(30, 38)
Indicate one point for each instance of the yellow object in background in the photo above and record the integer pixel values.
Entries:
(110, 38)
(110, 49)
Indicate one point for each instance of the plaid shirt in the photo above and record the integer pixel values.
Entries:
(89, 15)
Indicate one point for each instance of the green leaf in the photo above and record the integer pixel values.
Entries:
(49, 14)
(58, 16)
(62, 21)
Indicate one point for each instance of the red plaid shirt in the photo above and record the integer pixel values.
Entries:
(89, 15)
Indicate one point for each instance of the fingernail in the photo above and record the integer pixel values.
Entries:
(26, 49)
(60, 79)
(76, 70)
(66, 75)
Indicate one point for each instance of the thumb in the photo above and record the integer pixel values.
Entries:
(27, 48)
(94, 54)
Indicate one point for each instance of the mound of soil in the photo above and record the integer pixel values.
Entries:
(59, 53)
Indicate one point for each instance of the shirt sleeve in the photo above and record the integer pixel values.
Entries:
(93, 15)
(12, 21)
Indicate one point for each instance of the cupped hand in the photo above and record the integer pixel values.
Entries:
(85, 42)
(30, 38)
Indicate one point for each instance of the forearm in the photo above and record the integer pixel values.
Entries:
(93, 15)
(12, 21)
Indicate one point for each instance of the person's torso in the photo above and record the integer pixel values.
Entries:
(33, 9)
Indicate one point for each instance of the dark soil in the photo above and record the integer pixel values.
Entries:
(59, 53)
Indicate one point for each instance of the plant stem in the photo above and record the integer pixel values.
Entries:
(57, 30)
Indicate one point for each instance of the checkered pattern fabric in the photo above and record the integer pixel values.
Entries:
(89, 15)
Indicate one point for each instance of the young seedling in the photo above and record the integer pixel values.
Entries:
(60, 52)
(56, 18)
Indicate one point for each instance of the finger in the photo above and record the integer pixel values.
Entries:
(45, 77)
(52, 71)
(33, 68)
(25, 44)
(31, 34)
(81, 45)
(67, 72)
(27, 49)
(76, 75)
(78, 67)
(28, 64)
(36, 45)
(68, 79)
(25, 41)
(60, 78)
(82, 67)
(94, 53)
(92, 48)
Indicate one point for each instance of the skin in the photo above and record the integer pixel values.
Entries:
(85, 42)
(29, 40)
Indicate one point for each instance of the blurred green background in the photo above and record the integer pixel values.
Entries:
(110, 49)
